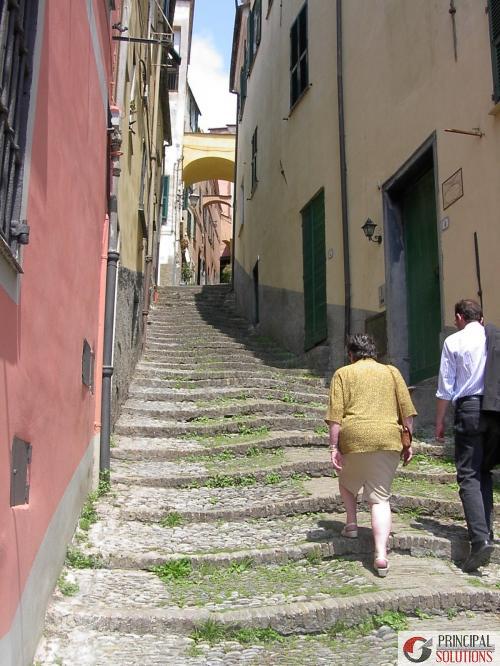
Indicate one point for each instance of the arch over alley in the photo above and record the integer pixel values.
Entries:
(208, 157)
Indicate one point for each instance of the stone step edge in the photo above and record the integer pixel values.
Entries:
(310, 468)
(285, 470)
(294, 507)
(333, 545)
(277, 440)
(293, 618)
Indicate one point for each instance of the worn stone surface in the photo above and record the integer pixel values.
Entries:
(221, 478)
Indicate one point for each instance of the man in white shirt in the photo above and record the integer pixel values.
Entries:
(461, 381)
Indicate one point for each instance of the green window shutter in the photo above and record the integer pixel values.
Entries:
(314, 258)
(494, 19)
(257, 11)
(164, 197)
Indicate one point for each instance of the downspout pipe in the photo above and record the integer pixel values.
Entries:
(109, 321)
(343, 177)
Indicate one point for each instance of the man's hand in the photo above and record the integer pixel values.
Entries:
(336, 458)
(441, 407)
(439, 431)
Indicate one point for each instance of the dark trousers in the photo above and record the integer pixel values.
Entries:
(477, 447)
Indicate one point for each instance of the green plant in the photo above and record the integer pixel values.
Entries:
(226, 273)
(186, 273)
(173, 570)
(215, 632)
(321, 430)
(288, 397)
(272, 478)
(78, 560)
(66, 587)
(225, 481)
(240, 567)
(451, 613)
(396, 620)
(422, 615)
(172, 519)
(314, 556)
(299, 415)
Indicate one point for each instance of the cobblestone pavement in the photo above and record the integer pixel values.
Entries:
(219, 541)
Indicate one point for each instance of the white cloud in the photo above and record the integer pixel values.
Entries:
(209, 82)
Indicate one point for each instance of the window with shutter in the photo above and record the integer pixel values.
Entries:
(299, 68)
(17, 38)
(314, 263)
(494, 19)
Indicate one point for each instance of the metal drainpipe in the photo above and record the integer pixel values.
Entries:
(109, 320)
(343, 177)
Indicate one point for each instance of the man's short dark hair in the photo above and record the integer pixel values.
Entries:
(469, 310)
(361, 345)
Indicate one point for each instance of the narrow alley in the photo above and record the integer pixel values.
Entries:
(219, 542)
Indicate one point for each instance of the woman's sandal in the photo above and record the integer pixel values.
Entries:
(350, 531)
(381, 566)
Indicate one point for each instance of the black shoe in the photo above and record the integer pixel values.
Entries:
(480, 554)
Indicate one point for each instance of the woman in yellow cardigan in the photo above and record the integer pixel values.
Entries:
(365, 437)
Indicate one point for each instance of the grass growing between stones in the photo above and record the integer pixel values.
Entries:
(424, 463)
(172, 519)
(213, 632)
(66, 587)
(245, 434)
(88, 515)
(396, 620)
(78, 560)
(274, 583)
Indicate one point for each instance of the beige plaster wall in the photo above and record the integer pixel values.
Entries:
(401, 84)
(302, 143)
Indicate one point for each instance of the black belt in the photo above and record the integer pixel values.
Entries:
(459, 401)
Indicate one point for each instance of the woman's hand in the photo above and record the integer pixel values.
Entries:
(406, 456)
(336, 458)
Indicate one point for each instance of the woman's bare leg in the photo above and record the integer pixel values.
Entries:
(381, 527)
(350, 503)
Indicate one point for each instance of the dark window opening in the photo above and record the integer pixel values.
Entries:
(17, 38)
(299, 69)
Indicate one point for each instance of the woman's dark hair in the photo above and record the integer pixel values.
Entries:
(361, 345)
(469, 310)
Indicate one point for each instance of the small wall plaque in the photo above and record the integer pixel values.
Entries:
(453, 189)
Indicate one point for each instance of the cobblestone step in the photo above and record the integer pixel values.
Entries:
(205, 395)
(150, 427)
(221, 478)
(438, 587)
(156, 448)
(375, 646)
(221, 409)
(226, 379)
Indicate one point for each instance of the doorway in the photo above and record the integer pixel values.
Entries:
(413, 283)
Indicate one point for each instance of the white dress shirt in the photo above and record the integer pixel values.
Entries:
(462, 363)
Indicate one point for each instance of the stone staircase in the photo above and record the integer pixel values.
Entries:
(219, 540)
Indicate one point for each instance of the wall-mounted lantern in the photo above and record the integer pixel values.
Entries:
(368, 229)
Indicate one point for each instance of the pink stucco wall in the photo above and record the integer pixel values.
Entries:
(42, 398)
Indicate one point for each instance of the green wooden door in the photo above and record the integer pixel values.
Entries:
(314, 257)
(422, 277)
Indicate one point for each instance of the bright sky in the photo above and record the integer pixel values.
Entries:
(211, 61)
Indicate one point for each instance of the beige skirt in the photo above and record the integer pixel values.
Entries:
(372, 471)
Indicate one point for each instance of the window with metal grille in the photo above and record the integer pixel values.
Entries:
(299, 68)
(17, 37)
(494, 19)
(254, 160)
